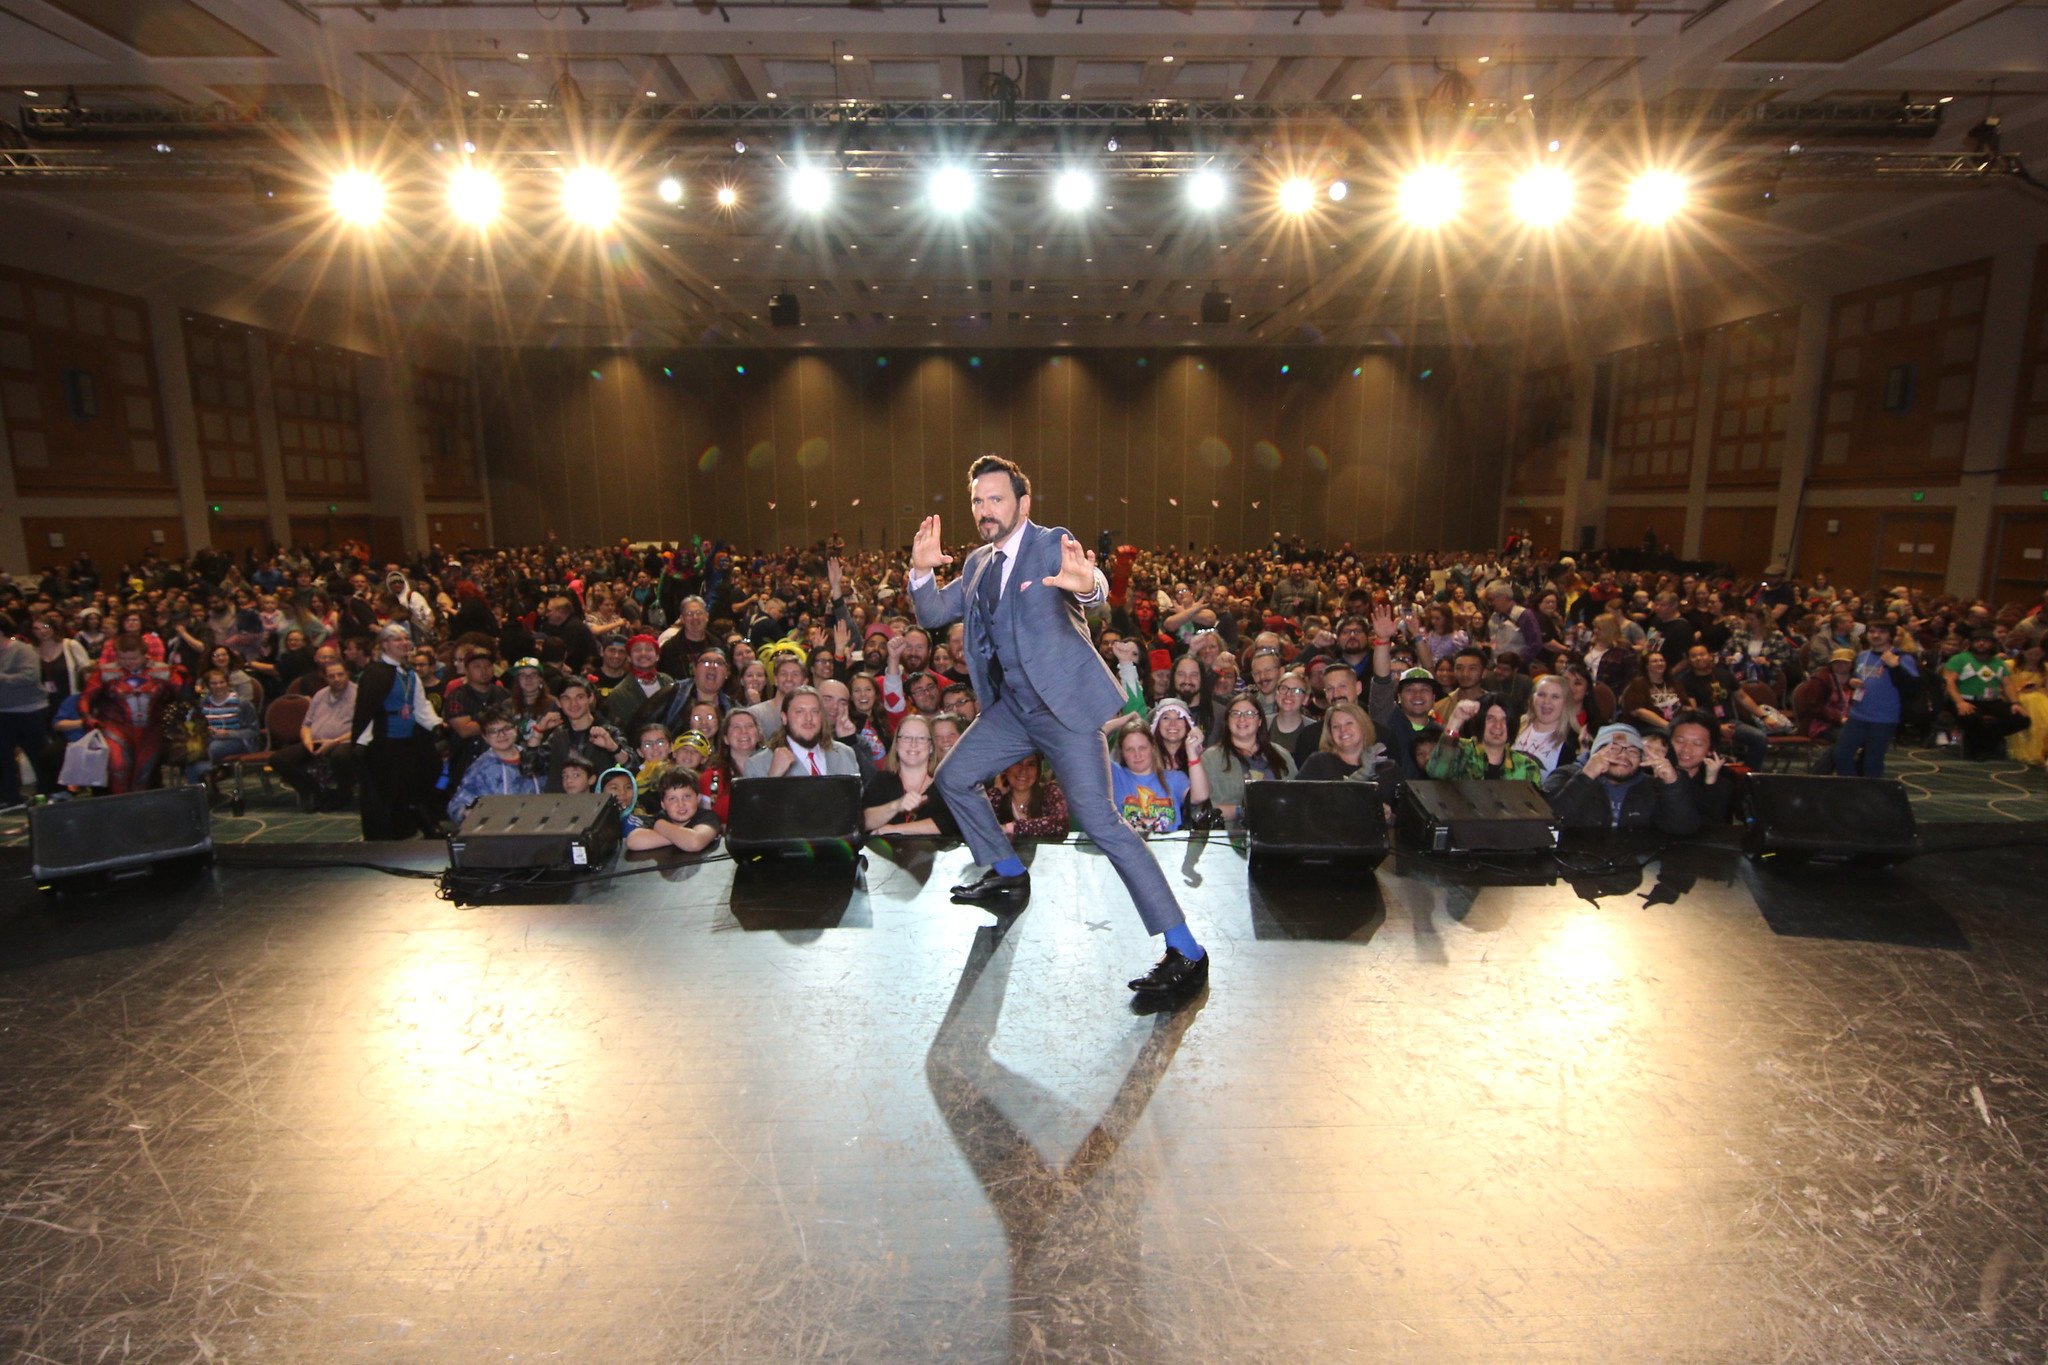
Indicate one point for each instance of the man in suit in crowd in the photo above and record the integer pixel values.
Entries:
(1043, 690)
(395, 723)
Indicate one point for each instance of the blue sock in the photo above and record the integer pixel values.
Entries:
(1183, 938)
(1012, 866)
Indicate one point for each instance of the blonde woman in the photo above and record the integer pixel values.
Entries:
(902, 797)
(1549, 733)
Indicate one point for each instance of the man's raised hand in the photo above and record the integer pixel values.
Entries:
(927, 552)
(1077, 567)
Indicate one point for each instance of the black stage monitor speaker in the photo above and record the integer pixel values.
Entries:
(807, 816)
(1865, 819)
(1474, 816)
(569, 834)
(1319, 822)
(118, 836)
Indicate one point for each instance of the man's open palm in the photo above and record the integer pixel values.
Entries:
(1077, 568)
(927, 552)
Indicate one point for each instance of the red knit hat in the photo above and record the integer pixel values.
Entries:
(1161, 660)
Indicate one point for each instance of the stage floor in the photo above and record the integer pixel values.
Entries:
(1694, 1112)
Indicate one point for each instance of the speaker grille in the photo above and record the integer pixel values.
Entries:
(1315, 819)
(110, 833)
(794, 815)
(1862, 816)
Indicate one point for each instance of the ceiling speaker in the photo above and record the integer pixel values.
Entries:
(1216, 307)
(784, 310)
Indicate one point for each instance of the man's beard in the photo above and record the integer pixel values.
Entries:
(993, 530)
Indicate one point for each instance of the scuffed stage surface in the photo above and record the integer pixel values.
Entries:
(1694, 1113)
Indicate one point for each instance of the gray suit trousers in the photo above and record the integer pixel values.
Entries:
(1002, 735)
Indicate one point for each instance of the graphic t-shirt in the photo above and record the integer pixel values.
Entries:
(1978, 678)
(1148, 804)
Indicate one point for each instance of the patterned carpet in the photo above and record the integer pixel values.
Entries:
(1945, 788)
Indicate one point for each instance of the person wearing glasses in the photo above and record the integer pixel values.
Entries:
(902, 798)
(497, 772)
(1292, 728)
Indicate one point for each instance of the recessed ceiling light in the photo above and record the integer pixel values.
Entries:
(1237, 97)
(1358, 94)
(473, 94)
(846, 56)
(1484, 60)
(1945, 99)
(1066, 97)
(651, 94)
(520, 55)
(36, 94)
(771, 94)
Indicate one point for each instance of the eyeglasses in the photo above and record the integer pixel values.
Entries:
(499, 731)
(1294, 690)
(654, 744)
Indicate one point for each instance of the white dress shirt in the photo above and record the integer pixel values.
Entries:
(1007, 547)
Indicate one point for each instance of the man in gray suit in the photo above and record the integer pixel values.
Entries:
(1043, 689)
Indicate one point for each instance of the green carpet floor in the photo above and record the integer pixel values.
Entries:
(1944, 787)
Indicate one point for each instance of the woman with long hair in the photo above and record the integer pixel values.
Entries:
(1439, 636)
(138, 621)
(864, 708)
(1028, 801)
(739, 739)
(1652, 699)
(1246, 755)
(1611, 659)
(1587, 711)
(531, 701)
(1150, 798)
(239, 678)
(1548, 733)
(1173, 724)
(902, 798)
(64, 661)
(2029, 684)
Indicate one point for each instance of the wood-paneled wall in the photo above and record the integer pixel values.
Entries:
(1387, 450)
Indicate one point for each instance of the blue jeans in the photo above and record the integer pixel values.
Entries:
(1752, 745)
(216, 750)
(1873, 738)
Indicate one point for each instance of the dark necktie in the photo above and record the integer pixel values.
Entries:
(991, 589)
(991, 586)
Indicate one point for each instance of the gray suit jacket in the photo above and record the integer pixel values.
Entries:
(1059, 657)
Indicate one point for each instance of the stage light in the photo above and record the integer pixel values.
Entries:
(810, 189)
(1431, 196)
(473, 196)
(952, 190)
(1339, 191)
(357, 198)
(1074, 190)
(1206, 190)
(670, 190)
(727, 196)
(1297, 196)
(1542, 197)
(590, 197)
(1656, 197)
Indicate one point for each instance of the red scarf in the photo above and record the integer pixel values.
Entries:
(645, 675)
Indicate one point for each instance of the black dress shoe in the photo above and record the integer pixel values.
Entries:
(992, 885)
(1174, 975)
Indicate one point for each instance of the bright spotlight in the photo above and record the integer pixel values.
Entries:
(1542, 197)
(1656, 198)
(590, 197)
(727, 196)
(1338, 191)
(1074, 190)
(810, 189)
(473, 196)
(357, 198)
(952, 190)
(1431, 196)
(1297, 196)
(1206, 190)
(670, 190)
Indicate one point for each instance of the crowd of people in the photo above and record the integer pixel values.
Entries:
(1633, 691)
